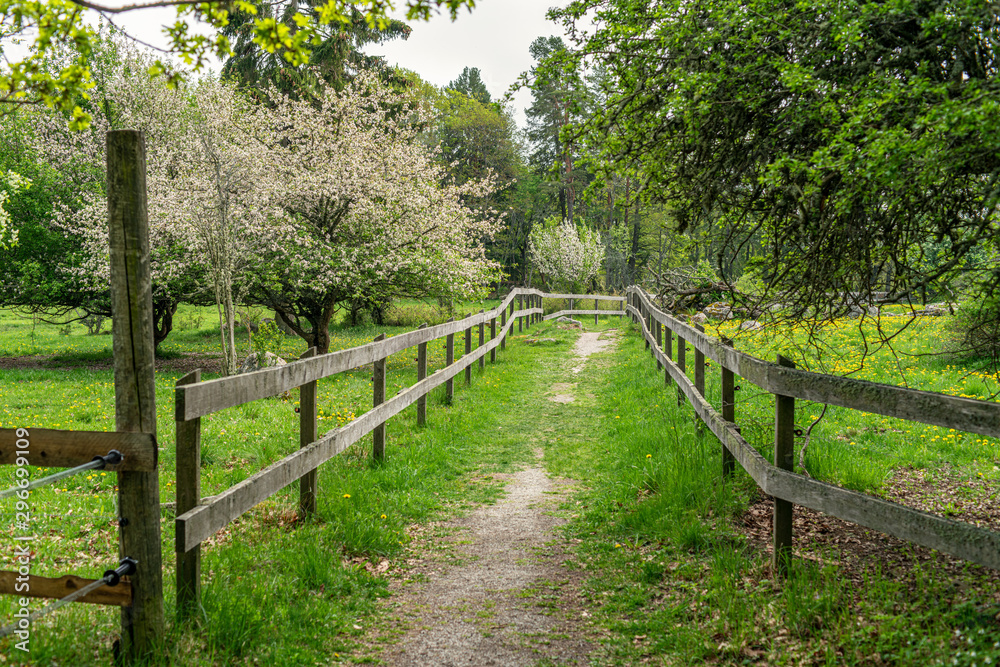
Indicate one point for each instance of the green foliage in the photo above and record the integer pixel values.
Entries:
(975, 331)
(841, 136)
(331, 59)
(34, 80)
(470, 83)
(269, 338)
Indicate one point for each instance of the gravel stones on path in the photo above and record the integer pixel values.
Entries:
(496, 590)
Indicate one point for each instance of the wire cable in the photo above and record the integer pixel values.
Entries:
(111, 578)
(114, 457)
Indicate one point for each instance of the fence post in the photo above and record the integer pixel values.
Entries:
(647, 313)
(449, 351)
(699, 365)
(681, 363)
(378, 398)
(520, 318)
(308, 434)
(421, 374)
(728, 413)
(668, 350)
(510, 314)
(784, 458)
(482, 331)
(659, 343)
(503, 329)
(188, 466)
(596, 307)
(571, 303)
(135, 386)
(468, 351)
(493, 335)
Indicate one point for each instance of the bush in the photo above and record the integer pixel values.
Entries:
(976, 330)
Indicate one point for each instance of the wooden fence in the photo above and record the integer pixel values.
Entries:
(196, 522)
(787, 384)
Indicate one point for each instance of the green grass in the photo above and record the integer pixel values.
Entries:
(672, 578)
(269, 580)
(860, 450)
(676, 582)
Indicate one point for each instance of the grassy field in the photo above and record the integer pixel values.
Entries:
(679, 580)
(675, 576)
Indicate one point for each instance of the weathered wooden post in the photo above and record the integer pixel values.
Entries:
(308, 434)
(511, 313)
(699, 365)
(135, 386)
(520, 318)
(728, 413)
(449, 352)
(493, 335)
(668, 350)
(784, 458)
(378, 398)
(482, 331)
(188, 465)
(596, 307)
(468, 351)
(647, 313)
(681, 363)
(571, 303)
(421, 374)
(503, 329)
(659, 343)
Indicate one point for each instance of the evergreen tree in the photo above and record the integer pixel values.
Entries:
(470, 83)
(334, 61)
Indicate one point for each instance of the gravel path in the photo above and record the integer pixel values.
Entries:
(510, 600)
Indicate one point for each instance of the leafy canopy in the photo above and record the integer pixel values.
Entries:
(43, 25)
(848, 138)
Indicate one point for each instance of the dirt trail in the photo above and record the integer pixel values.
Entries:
(512, 602)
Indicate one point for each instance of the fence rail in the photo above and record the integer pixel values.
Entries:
(196, 522)
(930, 530)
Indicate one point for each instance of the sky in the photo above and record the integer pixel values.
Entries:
(494, 37)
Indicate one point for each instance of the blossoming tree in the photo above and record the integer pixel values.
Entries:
(566, 256)
(366, 211)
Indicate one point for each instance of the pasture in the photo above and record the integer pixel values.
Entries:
(674, 564)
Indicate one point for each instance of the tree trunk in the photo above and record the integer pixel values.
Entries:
(163, 320)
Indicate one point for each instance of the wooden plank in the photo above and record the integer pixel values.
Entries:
(200, 523)
(142, 623)
(378, 398)
(188, 471)
(308, 432)
(421, 374)
(964, 414)
(50, 448)
(32, 586)
(956, 538)
(784, 458)
(567, 313)
(214, 395)
(595, 297)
